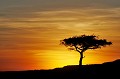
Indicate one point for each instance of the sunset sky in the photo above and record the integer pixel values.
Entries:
(31, 30)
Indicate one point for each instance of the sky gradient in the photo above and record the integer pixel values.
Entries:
(31, 30)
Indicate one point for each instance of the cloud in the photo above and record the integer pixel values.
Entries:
(21, 7)
(63, 19)
(47, 4)
(30, 38)
(38, 29)
(59, 16)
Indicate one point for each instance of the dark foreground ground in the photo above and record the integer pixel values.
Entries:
(97, 71)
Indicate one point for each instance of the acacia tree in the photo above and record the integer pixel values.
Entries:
(83, 43)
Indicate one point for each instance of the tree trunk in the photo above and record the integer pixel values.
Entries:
(81, 57)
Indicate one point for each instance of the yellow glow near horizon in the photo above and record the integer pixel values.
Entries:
(51, 59)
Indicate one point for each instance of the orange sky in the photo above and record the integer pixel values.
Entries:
(30, 38)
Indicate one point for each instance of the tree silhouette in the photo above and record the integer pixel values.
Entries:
(83, 43)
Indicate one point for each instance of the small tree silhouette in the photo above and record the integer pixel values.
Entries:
(83, 43)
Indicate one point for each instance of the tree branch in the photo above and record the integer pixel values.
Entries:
(77, 49)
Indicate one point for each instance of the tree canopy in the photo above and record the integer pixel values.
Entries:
(85, 42)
